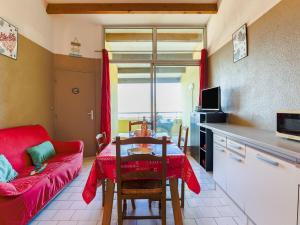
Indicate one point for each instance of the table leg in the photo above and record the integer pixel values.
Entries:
(175, 201)
(108, 202)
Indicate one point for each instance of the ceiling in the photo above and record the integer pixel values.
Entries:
(139, 19)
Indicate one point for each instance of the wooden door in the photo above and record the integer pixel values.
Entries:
(75, 94)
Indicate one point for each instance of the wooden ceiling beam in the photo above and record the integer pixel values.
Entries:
(146, 37)
(132, 8)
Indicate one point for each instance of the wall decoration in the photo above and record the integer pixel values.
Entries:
(75, 48)
(240, 45)
(8, 39)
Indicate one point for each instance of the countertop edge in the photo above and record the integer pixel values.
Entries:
(251, 142)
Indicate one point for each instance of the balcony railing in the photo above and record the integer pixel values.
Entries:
(147, 115)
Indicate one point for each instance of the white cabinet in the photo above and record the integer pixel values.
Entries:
(236, 177)
(220, 140)
(272, 189)
(220, 161)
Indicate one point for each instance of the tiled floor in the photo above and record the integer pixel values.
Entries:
(211, 207)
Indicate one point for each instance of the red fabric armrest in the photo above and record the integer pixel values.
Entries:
(68, 146)
(9, 190)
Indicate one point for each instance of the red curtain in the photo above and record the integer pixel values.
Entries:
(105, 119)
(203, 73)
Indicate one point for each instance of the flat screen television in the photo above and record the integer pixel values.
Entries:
(211, 99)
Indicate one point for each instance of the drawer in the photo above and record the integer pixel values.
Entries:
(220, 140)
(219, 148)
(236, 147)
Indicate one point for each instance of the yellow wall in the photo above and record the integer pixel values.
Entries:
(190, 86)
(114, 99)
(189, 95)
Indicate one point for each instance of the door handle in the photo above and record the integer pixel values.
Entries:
(91, 114)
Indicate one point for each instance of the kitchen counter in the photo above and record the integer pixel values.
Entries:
(264, 140)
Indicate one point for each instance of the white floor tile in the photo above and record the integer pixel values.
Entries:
(46, 214)
(67, 223)
(211, 207)
(86, 215)
(48, 222)
(225, 221)
(208, 212)
(65, 214)
(226, 211)
(60, 205)
(206, 221)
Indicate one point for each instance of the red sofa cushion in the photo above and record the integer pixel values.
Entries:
(15, 141)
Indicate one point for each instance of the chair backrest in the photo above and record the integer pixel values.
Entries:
(183, 137)
(135, 123)
(100, 138)
(141, 174)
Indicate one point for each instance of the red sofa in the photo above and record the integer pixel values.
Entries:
(24, 197)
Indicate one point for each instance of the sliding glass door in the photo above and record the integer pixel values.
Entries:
(154, 75)
(176, 95)
(132, 91)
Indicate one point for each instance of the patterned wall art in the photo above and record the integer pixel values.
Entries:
(240, 43)
(8, 39)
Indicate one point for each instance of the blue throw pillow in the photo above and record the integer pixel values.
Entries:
(40, 153)
(7, 172)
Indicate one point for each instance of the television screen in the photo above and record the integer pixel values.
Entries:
(211, 99)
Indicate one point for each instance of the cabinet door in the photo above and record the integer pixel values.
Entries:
(236, 171)
(219, 164)
(272, 189)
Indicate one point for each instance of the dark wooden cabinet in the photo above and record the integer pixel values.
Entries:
(195, 136)
(202, 138)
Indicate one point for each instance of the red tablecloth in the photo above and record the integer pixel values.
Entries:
(104, 167)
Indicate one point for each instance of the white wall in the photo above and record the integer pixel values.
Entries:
(66, 29)
(30, 17)
(233, 14)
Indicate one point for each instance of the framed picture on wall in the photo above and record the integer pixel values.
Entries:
(8, 39)
(240, 43)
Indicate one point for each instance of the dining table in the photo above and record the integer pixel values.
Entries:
(104, 167)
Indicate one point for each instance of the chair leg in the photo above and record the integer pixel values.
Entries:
(182, 193)
(163, 211)
(175, 202)
(124, 207)
(120, 213)
(109, 198)
(103, 183)
(133, 204)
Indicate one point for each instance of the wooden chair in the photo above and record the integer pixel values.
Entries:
(183, 131)
(146, 184)
(135, 123)
(100, 138)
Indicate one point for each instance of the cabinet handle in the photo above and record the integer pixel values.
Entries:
(220, 149)
(235, 158)
(264, 159)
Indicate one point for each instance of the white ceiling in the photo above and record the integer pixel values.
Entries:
(139, 19)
